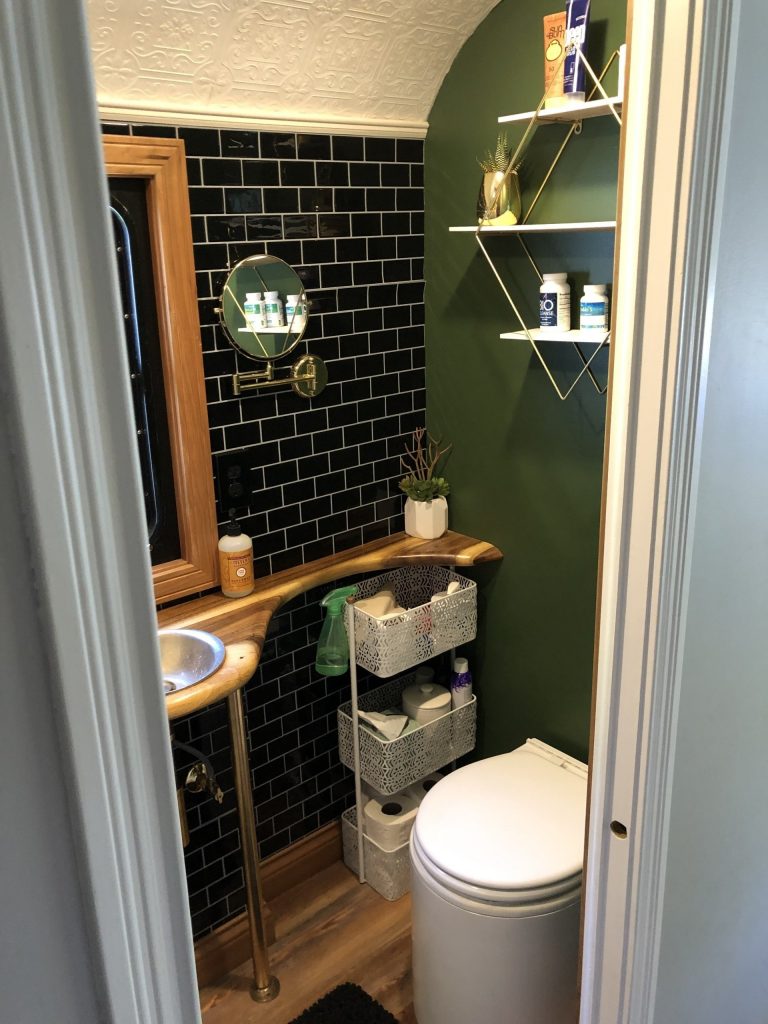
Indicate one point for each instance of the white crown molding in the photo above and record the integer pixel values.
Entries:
(262, 122)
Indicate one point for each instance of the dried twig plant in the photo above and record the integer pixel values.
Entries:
(420, 463)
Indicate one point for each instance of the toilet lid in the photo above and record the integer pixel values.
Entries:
(511, 822)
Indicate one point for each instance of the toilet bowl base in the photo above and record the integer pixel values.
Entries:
(474, 963)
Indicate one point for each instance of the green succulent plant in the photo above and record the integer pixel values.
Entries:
(420, 463)
(497, 160)
(425, 490)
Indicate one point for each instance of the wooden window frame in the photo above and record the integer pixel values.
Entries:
(162, 163)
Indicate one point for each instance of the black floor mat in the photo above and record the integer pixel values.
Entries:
(347, 1004)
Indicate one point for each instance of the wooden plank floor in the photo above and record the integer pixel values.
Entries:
(329, 930)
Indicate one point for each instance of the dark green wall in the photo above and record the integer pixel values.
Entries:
(526, 468)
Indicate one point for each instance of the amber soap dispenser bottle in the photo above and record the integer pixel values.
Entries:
(235, 561)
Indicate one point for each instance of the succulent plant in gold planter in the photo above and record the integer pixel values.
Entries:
(499, 200)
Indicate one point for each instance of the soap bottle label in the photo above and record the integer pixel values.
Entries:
(237, 571)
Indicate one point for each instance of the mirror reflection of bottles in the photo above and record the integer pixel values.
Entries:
(555, 304)
(295, 316)
(254, 310)
(253, 307)
(273, 310)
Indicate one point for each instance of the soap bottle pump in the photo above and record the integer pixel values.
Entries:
(333, 645)
(235, 560)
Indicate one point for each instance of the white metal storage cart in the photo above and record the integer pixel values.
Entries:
(387, 648)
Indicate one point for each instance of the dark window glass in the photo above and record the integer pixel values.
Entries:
(128, 204)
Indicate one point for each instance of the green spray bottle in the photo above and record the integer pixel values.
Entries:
(333, 645)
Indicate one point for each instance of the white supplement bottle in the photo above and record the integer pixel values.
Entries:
(273, 310)
(555, 304)
(253, 309)
(593, 308)
(294, 313)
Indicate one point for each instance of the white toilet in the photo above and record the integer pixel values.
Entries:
(496, 858)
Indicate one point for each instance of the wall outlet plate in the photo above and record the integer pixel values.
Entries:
(233, 481)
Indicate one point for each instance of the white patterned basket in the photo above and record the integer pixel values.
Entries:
(392, 765)
(386, 647)
(388, 872)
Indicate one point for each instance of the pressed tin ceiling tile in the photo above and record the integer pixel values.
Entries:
(363, 61)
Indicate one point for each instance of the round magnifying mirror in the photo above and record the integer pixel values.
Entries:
(264, 307)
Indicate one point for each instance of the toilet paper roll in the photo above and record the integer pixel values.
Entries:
(388, 821)
(420, 789)
(371, 793)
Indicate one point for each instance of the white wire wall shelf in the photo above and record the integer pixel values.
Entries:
(597, 104)
(562, 338)
(532, 229)
(566, 115)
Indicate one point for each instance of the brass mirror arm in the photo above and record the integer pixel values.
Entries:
(309, 371)
(243, 381)
(246, 381)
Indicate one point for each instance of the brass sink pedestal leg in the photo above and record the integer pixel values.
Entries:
(265, 987)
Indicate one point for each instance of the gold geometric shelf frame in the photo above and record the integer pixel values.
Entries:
(575, 129)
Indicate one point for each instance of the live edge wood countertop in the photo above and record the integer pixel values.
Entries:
(242, 622)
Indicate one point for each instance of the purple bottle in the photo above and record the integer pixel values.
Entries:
(461, 683)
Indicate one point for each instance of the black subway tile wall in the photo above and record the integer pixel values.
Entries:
(347, 213)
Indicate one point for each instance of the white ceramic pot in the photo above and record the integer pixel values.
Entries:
(426, 519)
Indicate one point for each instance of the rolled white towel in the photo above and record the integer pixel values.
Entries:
(380, 606)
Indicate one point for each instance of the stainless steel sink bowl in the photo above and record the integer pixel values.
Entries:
(187, 656)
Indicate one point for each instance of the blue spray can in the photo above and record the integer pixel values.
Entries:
(574, 72)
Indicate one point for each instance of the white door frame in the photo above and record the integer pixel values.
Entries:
(67, 400)
(67, 405)
(678, 111)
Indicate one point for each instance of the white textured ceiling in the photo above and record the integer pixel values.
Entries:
(366, 64)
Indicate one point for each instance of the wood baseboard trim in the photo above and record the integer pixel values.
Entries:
(229, 945)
